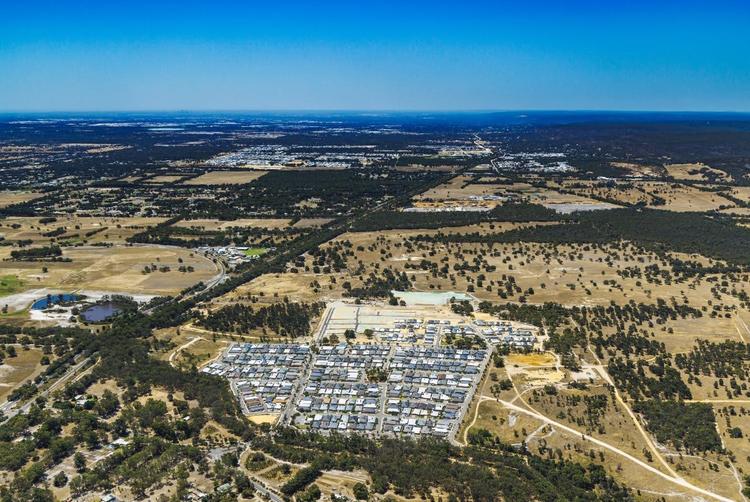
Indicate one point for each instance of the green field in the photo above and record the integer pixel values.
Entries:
(255, 251)
(9, 284)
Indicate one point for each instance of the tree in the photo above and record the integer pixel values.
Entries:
(60, 480)
(79, 461)
(361, 492)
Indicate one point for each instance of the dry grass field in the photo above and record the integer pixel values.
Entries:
(679, 197)
(207, 224)
(14, 371)
(458, 188)
(567, 274)
(696, 172)
(10, 197)
(164, 179)
(226, 177)
(638, 170)
(100, 229)
(621, 192)
(311, 222)
(742, 193)
(114, 269)
(300, 286)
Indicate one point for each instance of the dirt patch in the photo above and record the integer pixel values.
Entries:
(8, 198)
(226, 177)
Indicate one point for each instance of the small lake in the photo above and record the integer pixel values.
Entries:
(101, 312)
(50, 300)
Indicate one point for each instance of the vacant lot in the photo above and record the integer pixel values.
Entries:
(226, 177)
(16, 370)
(76, 229)
(116, 269)
(638, 170)
(167, 178)
(8, 198)
(311, 222)
(207, 224)
(679, 197)
(696, 172)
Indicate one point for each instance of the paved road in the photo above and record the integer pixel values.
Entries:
(9, 408)
(264, 490)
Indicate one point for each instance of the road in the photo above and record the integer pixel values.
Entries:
(599, 368)
(182, 347)
(214, 281)
(9, 408)
(674, 479)
(261, 488)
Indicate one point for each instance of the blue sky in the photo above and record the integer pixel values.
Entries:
(408, 55)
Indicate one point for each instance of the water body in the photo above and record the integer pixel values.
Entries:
(50, 300)
(101, 312)
(429, 298)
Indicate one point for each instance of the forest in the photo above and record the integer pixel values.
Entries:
(659, 231)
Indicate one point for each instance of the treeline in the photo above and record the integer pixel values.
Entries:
(659, 231)
(492, 471)
(514, 212)
(284, 319)
(34, 254)
(191, 237)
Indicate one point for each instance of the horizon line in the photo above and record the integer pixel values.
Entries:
(373, 110)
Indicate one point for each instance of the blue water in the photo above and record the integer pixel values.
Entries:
(101, 312)
(45, 302)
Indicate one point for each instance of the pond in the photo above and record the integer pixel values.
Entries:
(50, 300)
(100, 312)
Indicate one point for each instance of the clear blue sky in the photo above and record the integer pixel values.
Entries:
(407, 55)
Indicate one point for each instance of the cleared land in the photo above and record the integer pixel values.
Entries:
(226, 177)
(8, 197)
(167, 178)
(208, 224)
(75, 229)
(115, 269)
(16, 370)
(696, 172)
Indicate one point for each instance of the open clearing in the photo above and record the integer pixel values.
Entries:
(167, 178)
(116, 269)
(10, 197)
(226, 177)
(679, 197)
(10, 284)
(16, 370)
(638, 170)
(208, 224)
(77, 229)
(696, 172)
(311, 222)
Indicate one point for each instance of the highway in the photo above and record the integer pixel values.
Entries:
(9, 408)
